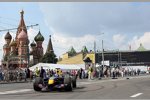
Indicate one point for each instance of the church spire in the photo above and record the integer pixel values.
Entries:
(21, 24)
(50, 46)
(22, 12)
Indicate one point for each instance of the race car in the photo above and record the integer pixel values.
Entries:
(67, 83)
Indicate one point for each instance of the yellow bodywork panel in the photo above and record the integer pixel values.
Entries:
(50, 81)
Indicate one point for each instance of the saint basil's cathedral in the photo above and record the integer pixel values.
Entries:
(16, 52)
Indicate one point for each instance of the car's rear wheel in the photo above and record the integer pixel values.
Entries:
(36, 83)
(67, 82)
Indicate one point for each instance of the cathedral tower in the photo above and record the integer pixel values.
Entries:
(6, 47)
(49, 46)
(39, 41)
(33, 52)
(13, 45)
(21, 24)
(23, 48)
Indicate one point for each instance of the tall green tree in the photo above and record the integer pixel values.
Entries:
(49, 57)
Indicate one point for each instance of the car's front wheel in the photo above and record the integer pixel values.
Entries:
(38, 81)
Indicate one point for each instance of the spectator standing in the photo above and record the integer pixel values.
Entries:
(90, 72)
(1, 75)
(28, 73)
(122, 73)
(138, 71)
(42, 72)
(37, 72)
(80, 73)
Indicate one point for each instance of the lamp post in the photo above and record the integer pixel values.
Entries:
(118, 57)
(101, 68)
(102, 53)
(120, 60)
(98, 59)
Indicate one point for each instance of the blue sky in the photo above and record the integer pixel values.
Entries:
(10, 14)
(79, 23)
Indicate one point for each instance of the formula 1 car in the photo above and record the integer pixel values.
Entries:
(66, 83)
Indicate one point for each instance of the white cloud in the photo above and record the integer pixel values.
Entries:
(31, 34)
(135, 42)
(77, 19)
(72, 23)
(121, 42)
(63, 43)
(118, 39)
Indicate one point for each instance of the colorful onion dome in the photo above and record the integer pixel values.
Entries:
(8, 36)
(33, 44)
(39, 37)
(22, 35)
(13, 43)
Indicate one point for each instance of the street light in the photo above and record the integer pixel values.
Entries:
(95, 42)
(102, 57)
(100, 69)
(119, 58)
(102, 53)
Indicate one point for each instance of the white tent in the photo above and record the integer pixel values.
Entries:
(61, 66)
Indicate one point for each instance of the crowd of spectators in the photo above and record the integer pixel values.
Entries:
(90, 73)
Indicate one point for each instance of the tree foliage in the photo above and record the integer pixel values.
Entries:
(49, 58)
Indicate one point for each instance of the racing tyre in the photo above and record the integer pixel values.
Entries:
(68, 87)
(38, 80)
(74, 85)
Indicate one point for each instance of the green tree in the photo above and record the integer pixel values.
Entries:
(49, 58)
